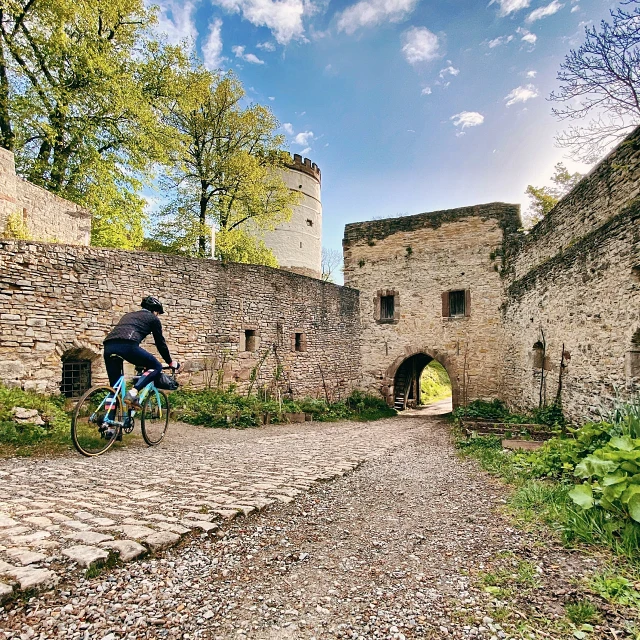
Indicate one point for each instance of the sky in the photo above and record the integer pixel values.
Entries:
(406, 106)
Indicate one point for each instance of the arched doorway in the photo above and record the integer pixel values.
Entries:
(404, 377)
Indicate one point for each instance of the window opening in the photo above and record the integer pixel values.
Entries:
(387, 307)
(300, 342)
(249, 340)
(309, 223)
(538, 355)
(76, 377)
(634, 355)
(456, 304)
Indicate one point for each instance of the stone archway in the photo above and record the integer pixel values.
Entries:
(413, 361)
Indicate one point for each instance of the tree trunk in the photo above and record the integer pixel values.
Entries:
(7, 136)
(204, 201)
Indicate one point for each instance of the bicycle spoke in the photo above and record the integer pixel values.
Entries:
(96, 421)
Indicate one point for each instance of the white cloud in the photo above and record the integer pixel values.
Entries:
(369, 13)
(509, 6)
(175, 21)
(305, 151)
(575, 8)
(283, 17)
(303, 138)
(527, 36)
(449, 70)
(266, 46)
(496, 42)
(543, 12)
(272, 98)
(532, 74)
(247, 57)
(212, 48)
(426, 91)
(420, 45)
(521, 94)
(288, 128)
(466, 119)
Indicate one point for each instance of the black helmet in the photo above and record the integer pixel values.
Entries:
(152, 304)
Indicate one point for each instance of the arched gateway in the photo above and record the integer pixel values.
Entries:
(403, 377)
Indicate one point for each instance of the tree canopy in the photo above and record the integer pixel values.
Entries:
(601, 80)
(96, 107)
(543, 199)
(225, 171)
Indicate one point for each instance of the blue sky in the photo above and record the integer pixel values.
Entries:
(406, 105)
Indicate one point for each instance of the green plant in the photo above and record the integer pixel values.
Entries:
(16, 228)
(615, 588)
(581, 612)
(361, 263)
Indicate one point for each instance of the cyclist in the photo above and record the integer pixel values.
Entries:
(123, 343)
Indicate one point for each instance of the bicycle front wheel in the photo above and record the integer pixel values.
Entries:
(155, 417)
(96, 421)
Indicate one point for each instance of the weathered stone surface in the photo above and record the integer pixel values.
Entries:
(31, 578)
(27, 416)
(161, 540)
(85, 555)
(6, 568)
(25, 557)
(89, 537)
(203, 525)
(5, 521)
(227, 514)
(134, 531)
(126, 549)
(6, 591)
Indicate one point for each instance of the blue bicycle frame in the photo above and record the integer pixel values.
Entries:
(120, 388)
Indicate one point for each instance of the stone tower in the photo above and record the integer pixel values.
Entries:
(297, 244)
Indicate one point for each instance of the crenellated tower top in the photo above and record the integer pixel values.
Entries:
(305, 166)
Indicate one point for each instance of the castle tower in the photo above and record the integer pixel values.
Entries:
(297, 244)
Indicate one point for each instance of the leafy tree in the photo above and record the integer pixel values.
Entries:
(602, 79)
(331, 260)
(226, 171)
(543, 199)
(80, 88)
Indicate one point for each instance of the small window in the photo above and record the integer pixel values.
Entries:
(301, 245)
(387, 307)
(634, 356)
(300, 342)
(76, 377)
(249, 340)
(538, 355)
(456, 304)
(309, 223)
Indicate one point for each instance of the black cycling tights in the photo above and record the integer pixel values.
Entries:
(133, 353)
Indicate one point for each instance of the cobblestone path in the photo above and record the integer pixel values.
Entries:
(70, 512)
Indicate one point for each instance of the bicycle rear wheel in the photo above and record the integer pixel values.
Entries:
(97, 421)
(155, 417)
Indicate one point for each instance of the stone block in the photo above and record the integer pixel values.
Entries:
(85, 555)
(126, 549)
(161, 540)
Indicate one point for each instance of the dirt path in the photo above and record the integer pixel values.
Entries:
(401, 548)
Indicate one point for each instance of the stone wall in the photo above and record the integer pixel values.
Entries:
(418, 259)
(47, 217)
(60, 301)
(575, 281)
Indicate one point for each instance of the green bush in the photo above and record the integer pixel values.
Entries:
(57, 421)
(497, 411)
(215, 408)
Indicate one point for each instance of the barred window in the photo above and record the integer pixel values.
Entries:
(76, 377)
(387, 307)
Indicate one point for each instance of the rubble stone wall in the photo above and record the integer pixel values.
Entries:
(47, 217)
(60, 301)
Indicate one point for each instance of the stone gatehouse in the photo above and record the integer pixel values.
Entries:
(529, 318)
(526, 317)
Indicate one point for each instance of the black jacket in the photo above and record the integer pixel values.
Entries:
(136, 326)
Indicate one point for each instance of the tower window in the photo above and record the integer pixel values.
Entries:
(299, 341)
(76, 377)
(301, 245)
(456, 304)
(309, 222)
(387, 307)
(249, 340)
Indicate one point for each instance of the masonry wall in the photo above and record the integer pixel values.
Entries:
(575, 281)
(60, 300)
(419, 258)
(47, 217)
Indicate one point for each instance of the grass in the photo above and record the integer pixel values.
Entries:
(582, 612)
(434, 383)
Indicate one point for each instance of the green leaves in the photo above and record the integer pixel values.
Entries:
(582, 495)
(594, 466)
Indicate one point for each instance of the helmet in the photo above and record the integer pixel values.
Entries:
(152, 304)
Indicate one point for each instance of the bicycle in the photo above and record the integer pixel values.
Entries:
(99, 419)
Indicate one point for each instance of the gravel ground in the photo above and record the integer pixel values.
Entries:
(400, 548)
